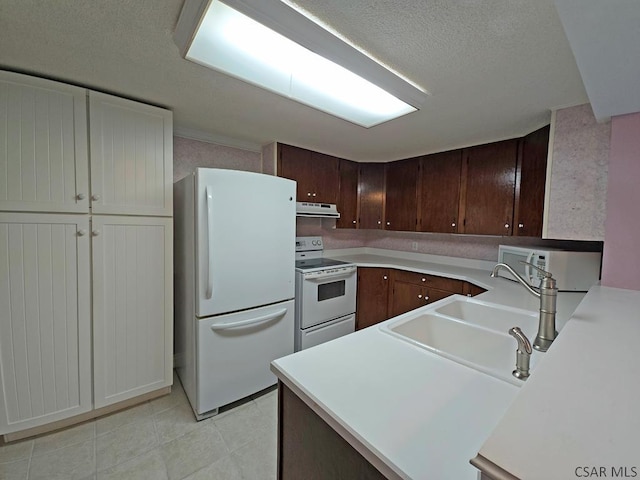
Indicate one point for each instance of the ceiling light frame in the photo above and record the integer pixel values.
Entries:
(286, 21)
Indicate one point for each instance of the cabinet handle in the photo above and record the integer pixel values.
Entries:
(80, 196)
(82, 233)
(354, 222)
(426, 298)
(424, 279)
(95, 233)
(314, 194)
(521, 225)
(420, 296)
(453, 224)
(384, 277)
(308, 194)
(95, 197)
(506, 225)
(388, 223)
(379, 222)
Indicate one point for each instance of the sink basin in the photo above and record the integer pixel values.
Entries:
(494, 317)
(471, 333)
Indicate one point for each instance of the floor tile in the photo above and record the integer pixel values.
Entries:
(74, 462)
(177, 421)
(242, 425)
(16, 451)
(257, 459)
(70, 436)
(176, 398)
(14, 470)
(125, 443)
(193, 451)
(148, 466)
(268, 405)
(223, 469)
(111, 422)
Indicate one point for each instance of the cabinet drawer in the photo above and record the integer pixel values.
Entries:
(449, 284)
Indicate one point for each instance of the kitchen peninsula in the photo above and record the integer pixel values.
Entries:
(412, 414)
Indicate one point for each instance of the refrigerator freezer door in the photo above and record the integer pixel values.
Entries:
(245, 240)
(235, 351)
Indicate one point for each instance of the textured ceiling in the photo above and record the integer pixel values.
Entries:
(494, 69)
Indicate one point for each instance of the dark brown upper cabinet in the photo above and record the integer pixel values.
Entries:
(316, 174)
(371, 195)
(348, 194)
(401, 195)
(439, 197)
(531, 176)
(488, 188)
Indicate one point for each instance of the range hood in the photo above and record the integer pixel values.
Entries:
(317, 210)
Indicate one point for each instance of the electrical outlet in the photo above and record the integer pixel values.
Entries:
(414, 246)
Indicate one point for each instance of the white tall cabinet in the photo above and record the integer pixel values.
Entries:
(86, 294)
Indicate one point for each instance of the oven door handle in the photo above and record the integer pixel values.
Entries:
(330, 276)
(250, 321)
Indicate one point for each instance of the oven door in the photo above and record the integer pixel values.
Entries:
(327, 295)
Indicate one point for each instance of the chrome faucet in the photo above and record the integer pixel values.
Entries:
(523, 353)
(547, 295)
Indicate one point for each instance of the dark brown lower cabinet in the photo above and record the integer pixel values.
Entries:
(384, 293)
(371, 298)
(309, 449)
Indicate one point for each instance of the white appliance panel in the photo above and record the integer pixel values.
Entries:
(234, 353)
(245, 240)
(326, 295)
(325, 332)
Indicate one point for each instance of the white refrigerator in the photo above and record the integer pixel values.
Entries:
(234, 283)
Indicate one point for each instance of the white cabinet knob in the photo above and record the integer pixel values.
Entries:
(384, 277)
(379, 222)
(313, 194)
(426, 298)
(354, 222)
(95, 233)
(388, 223)
(521, 225)
(424, 279)
(80, 196)
(453, 224)
(506, 225)
(420, 296)
(95, 197)
(308, 194)
(82, 233)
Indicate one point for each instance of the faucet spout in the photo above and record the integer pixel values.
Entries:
(522, 281)
(547, 295)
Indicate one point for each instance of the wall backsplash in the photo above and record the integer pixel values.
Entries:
(479, 247)
(189, 154)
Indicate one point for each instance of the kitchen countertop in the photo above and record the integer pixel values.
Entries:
(410, 412)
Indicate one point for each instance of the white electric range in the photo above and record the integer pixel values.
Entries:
(325, 295)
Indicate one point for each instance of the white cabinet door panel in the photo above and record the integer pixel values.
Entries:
(132, 306)
(45, 357)
(131, 157)
(43, 145)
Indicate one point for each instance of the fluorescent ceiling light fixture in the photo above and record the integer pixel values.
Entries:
(234, 43)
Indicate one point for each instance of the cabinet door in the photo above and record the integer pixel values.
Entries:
(348, 198)
(489, 186)
(371, 195)
(131, 157)
(326, 178)
(371, 299)
(43, 145)
(405, 297)
(440, 192)
(295, 164)
(45, 349)
(531, 177)
(132, 306)
(401, 195)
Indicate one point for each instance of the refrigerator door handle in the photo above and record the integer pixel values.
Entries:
(209, 196)
(250, 321)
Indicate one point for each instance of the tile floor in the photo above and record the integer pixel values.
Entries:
(156, 440)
